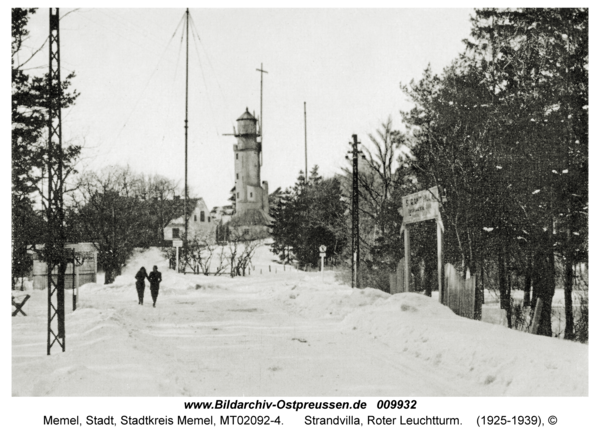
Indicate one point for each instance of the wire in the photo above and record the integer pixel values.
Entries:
(146, 86)
(229, 113)
(115, 30)
(140, 30)
(196, 34)
(172, 87)
(206, 87)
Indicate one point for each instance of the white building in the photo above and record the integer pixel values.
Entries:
(200, 223)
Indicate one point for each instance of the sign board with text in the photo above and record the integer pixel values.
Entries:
(421, 206)
(417, 207)
(177, 242)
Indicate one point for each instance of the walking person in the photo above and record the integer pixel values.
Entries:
(140, 284)
(154, 278)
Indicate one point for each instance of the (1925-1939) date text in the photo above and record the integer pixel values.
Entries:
(492, 420)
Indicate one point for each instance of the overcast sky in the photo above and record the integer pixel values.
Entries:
(346, 64)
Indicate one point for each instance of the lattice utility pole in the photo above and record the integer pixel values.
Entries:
(54, 250)
(355, 232)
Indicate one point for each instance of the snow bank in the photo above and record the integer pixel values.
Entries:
(289, 333)
(499, 360)
(505, 362)
(314, 296)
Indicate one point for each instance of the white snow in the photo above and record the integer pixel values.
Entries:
(289, 333)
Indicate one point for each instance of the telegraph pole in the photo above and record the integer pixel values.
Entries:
(185, 200)
(54, 252)
(355, 232)
(261, 111)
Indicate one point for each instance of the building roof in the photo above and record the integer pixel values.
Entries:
(246, 116)
(78, 246)
(192, 204)
(251, 217)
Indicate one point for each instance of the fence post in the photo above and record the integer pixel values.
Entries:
(400, 272)
(406, 259)
(440, 259)
(73, 281)
(393, 280)
(77, 283)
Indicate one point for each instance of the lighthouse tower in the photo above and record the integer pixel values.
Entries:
(251, 196)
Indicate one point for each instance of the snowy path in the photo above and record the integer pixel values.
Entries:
(286, 334)
(242, 345)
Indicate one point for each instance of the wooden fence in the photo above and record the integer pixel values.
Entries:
(459, 294)
(397, 280)
(87, 272)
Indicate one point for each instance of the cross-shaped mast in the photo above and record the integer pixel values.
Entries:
(261, 105)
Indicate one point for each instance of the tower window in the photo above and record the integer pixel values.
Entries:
(175, 233)
(236, 156)
(237, 176)
(202, 216)
(251, 195)
(208, 218)
(195, 218)
(238, 195)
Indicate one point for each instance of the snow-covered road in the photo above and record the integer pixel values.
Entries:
(280, 334)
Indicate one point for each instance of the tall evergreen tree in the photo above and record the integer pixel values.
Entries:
(28, 138)
(504, 131)
(306, 216)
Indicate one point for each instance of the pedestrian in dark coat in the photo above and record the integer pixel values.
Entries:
(140, 284)
(154, 278)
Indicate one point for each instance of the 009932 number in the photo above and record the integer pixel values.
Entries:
(397, 404)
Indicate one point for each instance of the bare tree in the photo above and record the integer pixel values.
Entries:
(242, 246)
(111, 216)
(221, 257)
(199, 254)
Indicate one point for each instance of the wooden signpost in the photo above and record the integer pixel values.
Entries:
(417, 207)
